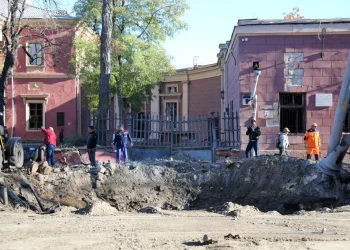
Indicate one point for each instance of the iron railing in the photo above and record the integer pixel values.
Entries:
(157, 131)
(230, 129)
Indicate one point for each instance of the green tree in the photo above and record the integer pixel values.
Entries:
(138, 60)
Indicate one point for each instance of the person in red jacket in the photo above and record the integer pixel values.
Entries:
(50, 142)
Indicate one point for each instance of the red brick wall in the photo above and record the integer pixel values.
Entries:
(204, 96)
(320, 76)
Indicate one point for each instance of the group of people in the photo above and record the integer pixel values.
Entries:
(312, 141)
(121, 141)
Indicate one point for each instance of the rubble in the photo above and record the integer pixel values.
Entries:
(243, 187)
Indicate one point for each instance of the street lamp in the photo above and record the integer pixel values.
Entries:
(222, 94)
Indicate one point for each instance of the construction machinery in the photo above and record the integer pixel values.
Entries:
(11, 150)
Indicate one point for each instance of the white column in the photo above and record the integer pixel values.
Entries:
(155, 109)
(222, 102)
(185, 103)
(155, 101)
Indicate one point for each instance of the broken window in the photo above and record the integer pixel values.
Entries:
(35, 52)
(35, 116)
(292, 112)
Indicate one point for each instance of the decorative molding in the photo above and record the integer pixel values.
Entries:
(40, 76)
(35, 86)
(170, 95)
(35, 96)
(194, 74)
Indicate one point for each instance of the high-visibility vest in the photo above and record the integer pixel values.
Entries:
(312, 139)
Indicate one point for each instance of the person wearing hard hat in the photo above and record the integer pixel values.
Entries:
(312, 142)
(284, 142)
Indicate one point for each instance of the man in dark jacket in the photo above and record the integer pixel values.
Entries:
(253, 132)
(122, 141)
(91, 145)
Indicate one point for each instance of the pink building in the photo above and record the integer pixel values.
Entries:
(188, 93)
(42, 91)
(302, 63)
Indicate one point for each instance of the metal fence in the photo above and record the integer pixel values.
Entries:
(157, 131)
(230, 131)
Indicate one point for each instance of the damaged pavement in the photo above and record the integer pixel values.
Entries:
(269, 183)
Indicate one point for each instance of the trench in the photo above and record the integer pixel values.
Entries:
(269, 183)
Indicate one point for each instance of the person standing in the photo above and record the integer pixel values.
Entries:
(122, 140)
(312, 142)
(284, 142)
(91, 145)
(253, 132)
(61, 136)
(50, 143)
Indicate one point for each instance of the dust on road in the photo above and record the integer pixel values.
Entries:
(104, 228)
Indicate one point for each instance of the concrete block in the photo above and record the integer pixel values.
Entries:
(34, 167)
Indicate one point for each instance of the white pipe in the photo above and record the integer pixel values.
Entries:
(254, 97)
(255, 103)
(13, 103)
(340, 113)
(256, 78)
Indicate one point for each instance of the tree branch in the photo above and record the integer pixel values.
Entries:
(150, 20)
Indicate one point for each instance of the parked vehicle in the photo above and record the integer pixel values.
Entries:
(11, 150)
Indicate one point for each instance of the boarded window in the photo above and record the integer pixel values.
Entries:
(292, 112)
(35, 116)
(60, 118)
(36, 55)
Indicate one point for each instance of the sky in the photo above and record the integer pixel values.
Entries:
(211, 23)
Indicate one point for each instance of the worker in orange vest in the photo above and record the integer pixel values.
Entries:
(312, 142)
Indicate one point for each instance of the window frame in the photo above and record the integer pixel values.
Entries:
(165, 115)
(57, 119)
(28, 102)
(293, 106)
(28, 63)
(171, 86)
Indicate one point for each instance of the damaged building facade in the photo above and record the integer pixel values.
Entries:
(302, 63)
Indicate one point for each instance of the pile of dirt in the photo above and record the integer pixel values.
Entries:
(236, 210)
(284, 184)
(269, 183)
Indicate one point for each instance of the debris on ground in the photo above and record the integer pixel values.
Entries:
(232, 237)
(208, 241)
(247, 187)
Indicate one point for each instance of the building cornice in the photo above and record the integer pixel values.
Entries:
(35, 96)
(194, 74)
(170, 94)
(40, 76)
(286, 29)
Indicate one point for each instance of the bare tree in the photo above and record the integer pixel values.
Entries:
(13, 29)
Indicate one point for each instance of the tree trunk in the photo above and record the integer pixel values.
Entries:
(8, 65)
(105, 64)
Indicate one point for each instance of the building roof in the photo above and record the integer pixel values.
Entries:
(207, 66)
(247, 22)
(32, 12)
